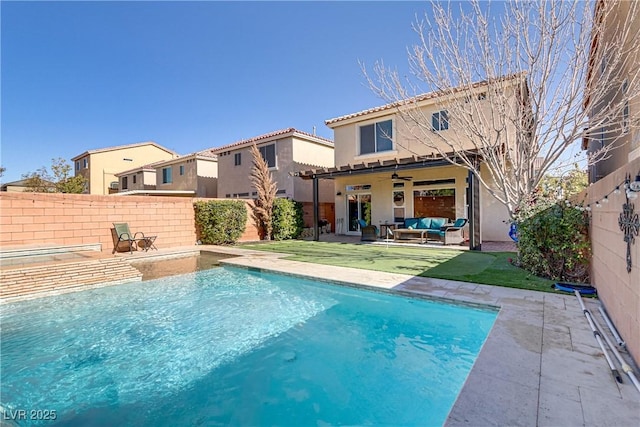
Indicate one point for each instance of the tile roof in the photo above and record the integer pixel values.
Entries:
(122, 147)
(415, 99)
(149, 166)
(266, 136)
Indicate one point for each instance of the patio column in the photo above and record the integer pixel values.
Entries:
(316, 210)
(473, 199)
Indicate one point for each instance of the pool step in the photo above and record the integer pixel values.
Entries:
(35, 281)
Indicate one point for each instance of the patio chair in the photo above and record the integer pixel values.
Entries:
(123, 234)
(369, 232)
(453, 235)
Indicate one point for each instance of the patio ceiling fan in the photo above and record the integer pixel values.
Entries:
(395, 177)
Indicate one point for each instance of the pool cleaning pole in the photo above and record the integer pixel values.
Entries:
(625, 366)
(596, 333)
(612, 328)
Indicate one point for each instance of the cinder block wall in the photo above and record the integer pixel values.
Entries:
(66, 219)
(618, 289)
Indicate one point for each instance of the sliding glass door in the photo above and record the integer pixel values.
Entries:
(358, 207)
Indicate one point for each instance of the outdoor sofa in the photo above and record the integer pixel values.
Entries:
(421, 227)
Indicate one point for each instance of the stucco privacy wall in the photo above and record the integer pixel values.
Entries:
(67, 219)
(618, 289)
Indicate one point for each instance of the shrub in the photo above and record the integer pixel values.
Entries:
(554, 243)
(220, 222)
(287, 219)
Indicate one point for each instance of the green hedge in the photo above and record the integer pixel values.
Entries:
(554, 243)
(287, 219)
(220, 222)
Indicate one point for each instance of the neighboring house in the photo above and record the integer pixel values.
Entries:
(20, 186)
(382, 174)
(140, 179)
(627, 143)
(286, 151)
(100, 166)
(615, 257)
(195, 173)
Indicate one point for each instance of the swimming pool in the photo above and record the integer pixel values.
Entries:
(236, 347)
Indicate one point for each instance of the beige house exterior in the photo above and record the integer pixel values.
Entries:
(286, 151)
(136, 180)
(383, 174)
(615, 262)
(627, 139)
(195, 173)
(100, 166)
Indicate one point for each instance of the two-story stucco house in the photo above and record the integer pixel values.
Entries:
(615, 258)
(137, 180)
(191, 175)
(196, 173)
(100, 166)
(621, 129)
(383, 174)
(286, 152)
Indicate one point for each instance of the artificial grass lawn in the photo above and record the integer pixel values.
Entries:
(489, 268)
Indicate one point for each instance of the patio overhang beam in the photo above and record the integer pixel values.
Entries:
(362, 169)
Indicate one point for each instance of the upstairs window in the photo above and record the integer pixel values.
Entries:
(181, 170)
(85, 163)
(237, 159)
(269, 154)
(78, 165)
(376, 137)
(167, 176)
(134, 178)
(440, 120)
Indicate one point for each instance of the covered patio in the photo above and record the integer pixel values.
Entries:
(385, 192)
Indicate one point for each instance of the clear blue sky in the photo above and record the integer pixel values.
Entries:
(188, 75)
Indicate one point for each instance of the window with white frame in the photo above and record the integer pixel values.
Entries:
(376, 137)
(167, 175)
(269, 154)
(85, 163)
(440, 120)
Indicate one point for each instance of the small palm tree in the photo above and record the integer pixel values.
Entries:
(265, 187)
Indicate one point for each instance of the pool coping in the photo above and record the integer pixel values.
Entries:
(540, 364)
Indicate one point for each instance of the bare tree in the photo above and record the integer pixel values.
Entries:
(521, 86)
(265, 187)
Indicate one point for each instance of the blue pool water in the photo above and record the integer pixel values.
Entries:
(232, 347)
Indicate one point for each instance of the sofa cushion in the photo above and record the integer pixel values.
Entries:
(436, 223)
(460, 222)
(411, 222)
(424, 223)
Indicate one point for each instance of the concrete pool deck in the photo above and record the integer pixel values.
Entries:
(540, 366)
